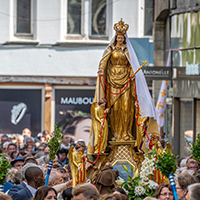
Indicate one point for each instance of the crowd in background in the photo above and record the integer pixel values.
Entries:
(29, 158)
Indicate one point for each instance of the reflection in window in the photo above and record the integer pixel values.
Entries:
(23, 16)
(148, 25)
(99, 17)
(186, 132)
(74, 17)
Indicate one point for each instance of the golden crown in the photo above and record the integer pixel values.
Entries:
(121, 28)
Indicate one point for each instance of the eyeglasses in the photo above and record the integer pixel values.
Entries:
(178, 188)
(167, 194)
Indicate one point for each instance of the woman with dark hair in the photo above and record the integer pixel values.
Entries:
(164, 192)
(45, 193)
(76, 126)
(67, 194)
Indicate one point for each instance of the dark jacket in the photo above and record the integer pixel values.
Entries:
(16, 188)
(23, 194)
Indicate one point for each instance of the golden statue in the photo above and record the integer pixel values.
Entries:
(99, 125)
(77, 163)
(115, 83)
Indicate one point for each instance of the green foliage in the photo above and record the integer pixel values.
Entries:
(195, 148)
(166, 162)
(54, 143)
(4, 165)
(132, 183)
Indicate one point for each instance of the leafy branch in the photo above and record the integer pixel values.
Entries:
(165, 162)
(4, 165)
(195, 148)
(54, 143)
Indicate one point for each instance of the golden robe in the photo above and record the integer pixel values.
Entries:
(76, 162)
(122, 110)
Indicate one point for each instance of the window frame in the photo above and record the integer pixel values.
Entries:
(23, 35)
(107, 22)
(68, 35)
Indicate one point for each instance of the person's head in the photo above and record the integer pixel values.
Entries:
(85, 191)
(25, 167)
(64, 173)
(80, 145)
(78, 127)
(110, 197)
(150, 198)
(13, 154)
(164, 192)
(30, 160)
(34, 177)
(11, 147)
(20, 140)
(46, 135)
(62, 154)
(67, 194)
(55, 178)
(120, 190)
(41, 148)
(19, 177)
(5, 147)
(4, 138)
(45, 193)
(29, 148)
(193, 192)
(120, 40)
(5, 197)
(30, 140)
(18, 165)
(193, 165)
(66, 139)
(184, 180)
(26, 132)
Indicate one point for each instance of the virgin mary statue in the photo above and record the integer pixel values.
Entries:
(127, 96)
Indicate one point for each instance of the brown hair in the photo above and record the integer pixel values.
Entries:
(5, 197)
(42, 192)
(110, 197)
(115, 41)
(160, 187)
(186, 179)
(88, 190)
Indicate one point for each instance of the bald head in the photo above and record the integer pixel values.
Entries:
(34, 177)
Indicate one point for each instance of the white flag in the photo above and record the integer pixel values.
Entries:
(161, 103)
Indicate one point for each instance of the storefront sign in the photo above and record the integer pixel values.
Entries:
(157, 73)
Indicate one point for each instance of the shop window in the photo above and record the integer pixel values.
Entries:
(23, 17)
(74, 16)
(72, 111)
(20, 108)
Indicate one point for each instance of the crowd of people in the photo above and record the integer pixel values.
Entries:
(29, 158)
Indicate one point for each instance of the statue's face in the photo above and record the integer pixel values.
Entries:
(120, 39)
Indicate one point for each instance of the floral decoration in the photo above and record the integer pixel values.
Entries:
(141, 186)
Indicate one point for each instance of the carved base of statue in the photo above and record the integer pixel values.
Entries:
(123, 153)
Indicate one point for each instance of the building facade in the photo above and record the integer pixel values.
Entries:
(176, 28)
(50, 52)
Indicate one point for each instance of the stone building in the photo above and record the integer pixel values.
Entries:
(177, 27)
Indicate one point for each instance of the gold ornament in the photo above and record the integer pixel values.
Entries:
(121, 28)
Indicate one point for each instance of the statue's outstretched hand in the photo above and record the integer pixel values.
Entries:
(100, 72)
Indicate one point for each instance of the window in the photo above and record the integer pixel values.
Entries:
(74, 18)
(98, 17)
(148, 25)
(23, 17)
(20, 107)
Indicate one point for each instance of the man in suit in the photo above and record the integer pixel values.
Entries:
(35, 179)
(21, 177)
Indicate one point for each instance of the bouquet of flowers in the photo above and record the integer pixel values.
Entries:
(141, 186)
